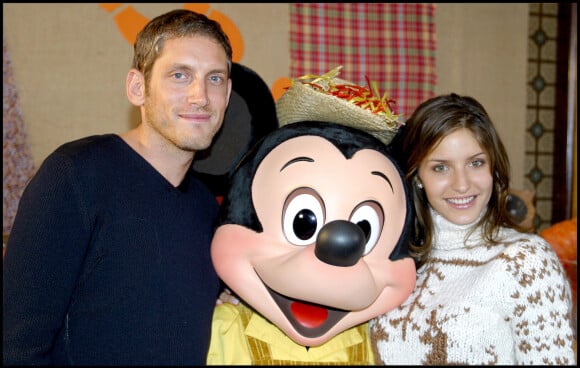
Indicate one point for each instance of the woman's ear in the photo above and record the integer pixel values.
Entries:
(135, 87)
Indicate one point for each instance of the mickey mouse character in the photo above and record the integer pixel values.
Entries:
(312, 237)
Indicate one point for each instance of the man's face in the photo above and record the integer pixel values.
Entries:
(188, 93)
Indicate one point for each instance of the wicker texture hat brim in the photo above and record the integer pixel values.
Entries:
(302, 103)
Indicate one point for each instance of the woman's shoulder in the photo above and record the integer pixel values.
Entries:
(530, 255)
(528, 245)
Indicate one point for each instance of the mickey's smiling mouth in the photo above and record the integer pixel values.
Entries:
(309, 319)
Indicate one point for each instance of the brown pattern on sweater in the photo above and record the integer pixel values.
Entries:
(517, 265)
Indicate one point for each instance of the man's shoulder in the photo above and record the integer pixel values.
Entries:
(88, 143)
(95, 152)
(96, 148)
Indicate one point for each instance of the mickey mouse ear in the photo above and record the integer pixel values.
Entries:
(250, 115)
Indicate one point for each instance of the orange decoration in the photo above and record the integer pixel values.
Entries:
(280, 86)
(562, 237)
(109, 7)
(197, 7)
(233, 33)
(129, 22)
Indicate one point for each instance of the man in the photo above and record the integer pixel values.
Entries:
(108, 261)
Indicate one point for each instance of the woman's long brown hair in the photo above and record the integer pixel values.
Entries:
(432, 121)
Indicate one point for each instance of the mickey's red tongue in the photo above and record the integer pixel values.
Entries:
(308, 315)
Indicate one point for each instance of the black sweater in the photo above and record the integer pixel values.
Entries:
(108, 263)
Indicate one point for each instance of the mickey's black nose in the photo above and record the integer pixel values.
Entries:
(340, 243)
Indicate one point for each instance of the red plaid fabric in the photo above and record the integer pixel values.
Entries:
(390, 43)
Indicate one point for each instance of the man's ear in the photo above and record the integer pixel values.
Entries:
(135, 87)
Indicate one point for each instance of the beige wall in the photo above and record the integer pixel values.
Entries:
(482, 52)
(70, 63)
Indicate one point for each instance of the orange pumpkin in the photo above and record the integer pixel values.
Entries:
(562, 237)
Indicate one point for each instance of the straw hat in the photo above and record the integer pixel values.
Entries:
(310, 98)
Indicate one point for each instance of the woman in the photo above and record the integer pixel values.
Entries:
(486, 292)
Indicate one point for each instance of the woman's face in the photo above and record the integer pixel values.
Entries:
(456, 177)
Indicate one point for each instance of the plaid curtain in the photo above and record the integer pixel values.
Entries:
(390, 43)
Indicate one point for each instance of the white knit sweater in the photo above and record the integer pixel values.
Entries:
(478, 305)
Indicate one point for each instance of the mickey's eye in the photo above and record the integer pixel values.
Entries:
(302, 217)
(369, 217)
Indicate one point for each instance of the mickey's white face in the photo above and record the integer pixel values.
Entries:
(321, 264)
